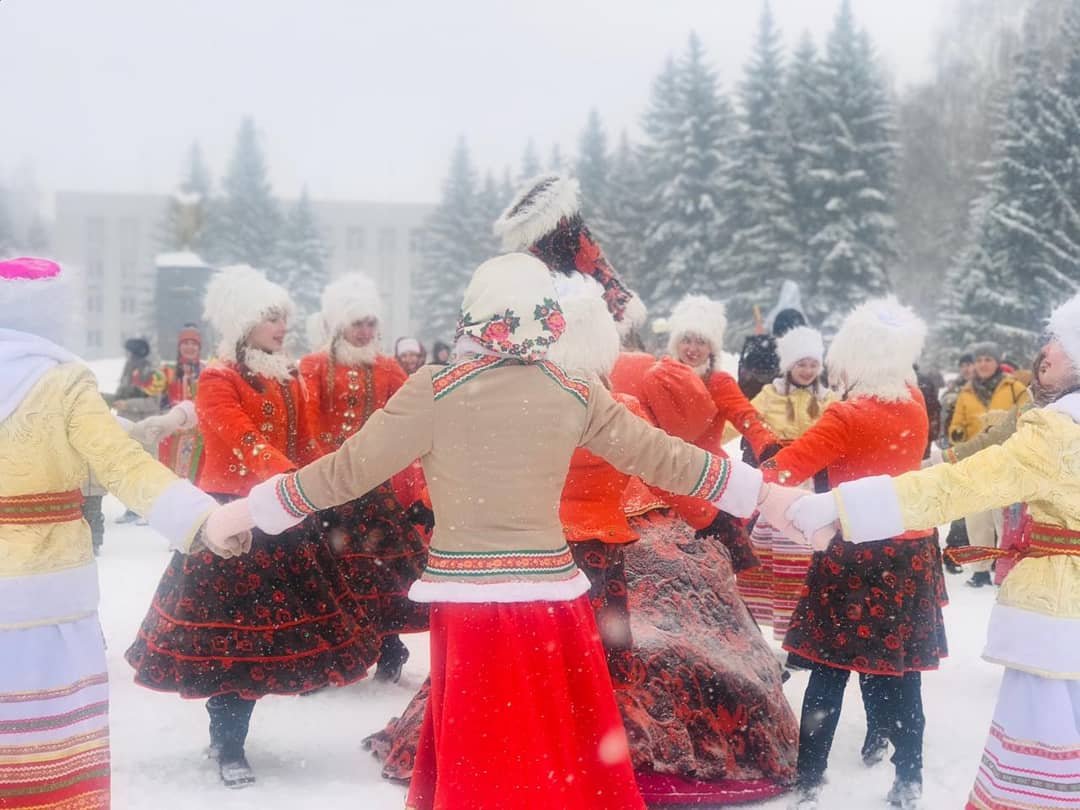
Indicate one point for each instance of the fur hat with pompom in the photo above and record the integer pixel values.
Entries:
(238, 298)
(697, 315)
(36, 297)
(875, 350)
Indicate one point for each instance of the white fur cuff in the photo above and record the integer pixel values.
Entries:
(869, 509)
(268, 511)
(179, 512)
(739, 499)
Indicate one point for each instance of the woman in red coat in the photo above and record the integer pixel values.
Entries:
(874, 608)
(282, 619)
(380, 552)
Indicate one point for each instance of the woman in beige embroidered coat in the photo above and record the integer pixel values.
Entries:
(522, 713)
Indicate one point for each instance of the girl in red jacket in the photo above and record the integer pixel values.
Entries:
(280, 620)
(874, 608)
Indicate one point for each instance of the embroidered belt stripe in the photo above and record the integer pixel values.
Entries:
(445, 381)
(713, 479)
(46, 507)
(498, 563)
(578, 388)
(292, 498)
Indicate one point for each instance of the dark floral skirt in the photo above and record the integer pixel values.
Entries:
(873, 608)
(381, 554)
(278, 620)
(700, 691)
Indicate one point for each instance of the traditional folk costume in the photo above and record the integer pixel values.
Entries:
(1032, 750)
(182, 452)
(772, 589)
(380, 552)
(54, 425)
(521, 713)
(874, 609)
(281, 619)
(698, 689)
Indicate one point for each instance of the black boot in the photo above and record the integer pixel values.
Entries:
(980, 579)
(952, 567)
(392, 658)
(230, 718)
(874, 748)
(905, 794)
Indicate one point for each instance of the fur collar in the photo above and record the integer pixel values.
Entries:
(346, 354)
(276, 366)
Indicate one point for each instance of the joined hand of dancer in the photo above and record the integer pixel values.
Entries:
(774, 504)
(814, 516)
(227, 532)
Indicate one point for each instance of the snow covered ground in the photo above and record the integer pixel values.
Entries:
(307, 751)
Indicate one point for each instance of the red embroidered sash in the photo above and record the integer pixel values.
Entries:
(1038, 540)
(48, 507)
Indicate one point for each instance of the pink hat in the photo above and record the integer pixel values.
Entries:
(28, 269)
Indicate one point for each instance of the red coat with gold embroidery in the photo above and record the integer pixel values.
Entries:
(854, 439)
(253, 428)
(341, 398)
(733, 406)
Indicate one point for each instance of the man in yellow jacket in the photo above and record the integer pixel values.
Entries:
(981, 404)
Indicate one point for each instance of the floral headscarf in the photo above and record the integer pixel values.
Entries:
(510, 308)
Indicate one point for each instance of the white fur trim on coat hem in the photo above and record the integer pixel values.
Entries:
(869, 509)
(740, 496)
(179, 512)
(1033, 642)
(469, 593)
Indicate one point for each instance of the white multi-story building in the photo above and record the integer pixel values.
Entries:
(110, 241)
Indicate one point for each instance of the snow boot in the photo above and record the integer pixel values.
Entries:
(953, 568)
(907, 795)
(392, 658)
(980, 579)
(235, 771)
(806, 797)
(874, 749)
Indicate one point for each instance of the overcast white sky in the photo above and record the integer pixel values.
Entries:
(362, 99)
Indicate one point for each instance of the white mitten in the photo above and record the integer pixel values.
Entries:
(227, 532)
(816, 516)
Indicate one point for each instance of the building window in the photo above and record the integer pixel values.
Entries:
(93, 339)
(96, 268)
(95, 234)
(355, 239)
(387, 240)
(127, 305)
(127, 235)
(95, 303)
(416, 240)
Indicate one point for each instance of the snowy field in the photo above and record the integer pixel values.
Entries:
(307, 754)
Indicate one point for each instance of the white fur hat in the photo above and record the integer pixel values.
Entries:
(590, 343)
(876, 349)
(536, 211)
(237, 299)
(36, 297)
(800, 343)
(1064, 325)
(697, 315)
(352, 297)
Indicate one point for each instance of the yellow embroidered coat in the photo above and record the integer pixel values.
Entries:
(1035, 626)
(776, 408)
(57, 434)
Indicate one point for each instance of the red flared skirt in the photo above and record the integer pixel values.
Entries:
(522, 713)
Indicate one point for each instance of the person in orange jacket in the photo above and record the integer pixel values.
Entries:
(347, 380)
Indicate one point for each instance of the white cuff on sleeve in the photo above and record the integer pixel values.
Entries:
(739, 498)
(869, 509)
(278, 504)
(179, 512)
(187, 410)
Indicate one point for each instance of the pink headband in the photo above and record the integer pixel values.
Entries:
(27, 269)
